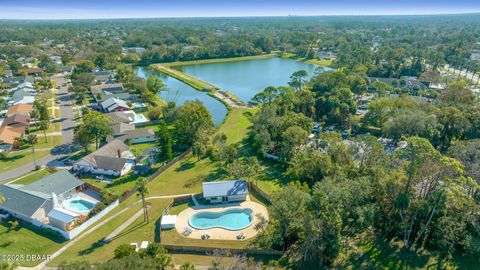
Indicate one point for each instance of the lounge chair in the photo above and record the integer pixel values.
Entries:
(241, 236)
(186, 231)
(144, 244)
(205, 236)
(135, 246)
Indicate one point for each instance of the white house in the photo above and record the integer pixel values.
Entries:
(113, 159)
(39, 202)
(225, 191)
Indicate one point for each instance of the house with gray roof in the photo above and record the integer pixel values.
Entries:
(113, 159)
(225, 191)
(142, 135)
(103, 92)
(40, 202)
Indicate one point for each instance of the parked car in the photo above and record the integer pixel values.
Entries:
(316, 128)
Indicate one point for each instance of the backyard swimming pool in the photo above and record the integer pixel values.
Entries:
(79, 205)
(231, 219)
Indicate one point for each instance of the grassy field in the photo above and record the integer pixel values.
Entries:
(31, 177)
(318, 62)
(219, 60)
(17, 159)
(89, 248)
(187, 79)
(25, 241)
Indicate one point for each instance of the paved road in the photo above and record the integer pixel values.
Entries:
(66, 110)
(67, 125)
(46, 161)
(463, 73)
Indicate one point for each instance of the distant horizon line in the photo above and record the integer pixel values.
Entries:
(246, 16)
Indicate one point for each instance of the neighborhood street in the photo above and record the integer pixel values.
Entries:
(469, 75)
(67, 125)
(66, 110)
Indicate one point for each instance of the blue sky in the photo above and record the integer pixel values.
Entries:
(86, 9)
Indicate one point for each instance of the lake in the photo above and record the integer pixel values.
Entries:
(243, 78)
(180, 92)
(249, 77)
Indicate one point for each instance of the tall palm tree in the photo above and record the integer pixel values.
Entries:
(32, 139)
(142, 191)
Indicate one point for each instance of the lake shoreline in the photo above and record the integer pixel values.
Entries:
(213, 91)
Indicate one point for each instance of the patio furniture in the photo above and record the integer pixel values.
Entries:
(144, 244)
(205, 236)
(186, 231)
(135, 246)
(241, 236)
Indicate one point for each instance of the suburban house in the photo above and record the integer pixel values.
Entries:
(113, 159)
(22, 100)
(102, 92)
(127, 117)
(26, 85)
(405, 82)
(225, 191)
(23, 92)
(32, 71)
(142, 135)
(119, 129)
(8, 135)
(17, 121)
(19, 109)
(16, 80)
(103, 76)
(46, 202)
(114, 105)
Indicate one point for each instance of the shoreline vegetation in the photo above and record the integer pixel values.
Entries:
(227, 98)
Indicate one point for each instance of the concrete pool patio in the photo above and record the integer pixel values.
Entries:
(220, 233)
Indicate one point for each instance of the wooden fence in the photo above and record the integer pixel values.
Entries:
(260, 193)
(158, 223)
(209, 250)
(149, 178)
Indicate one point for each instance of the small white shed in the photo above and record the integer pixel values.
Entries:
(168, 221)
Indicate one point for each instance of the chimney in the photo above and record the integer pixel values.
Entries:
(119, 153)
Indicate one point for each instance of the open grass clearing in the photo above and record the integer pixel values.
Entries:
(18, 159)
(90, 249)
(26, 240)
(219, 60)
(31, 177)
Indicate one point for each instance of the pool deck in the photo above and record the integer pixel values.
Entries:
(219, 233)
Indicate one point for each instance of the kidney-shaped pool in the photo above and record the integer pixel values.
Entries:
(231, 219)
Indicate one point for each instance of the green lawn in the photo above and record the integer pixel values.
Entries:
(89, 248)
(17, 159)
(138, 148)
(32, 177)
(219, 60)
(319, 62)
(49, 143)
(25, 241)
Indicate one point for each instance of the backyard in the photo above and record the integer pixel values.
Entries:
(26, 240)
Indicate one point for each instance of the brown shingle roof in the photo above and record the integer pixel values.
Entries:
(8, 134)
(24, 109)
(17, 120)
